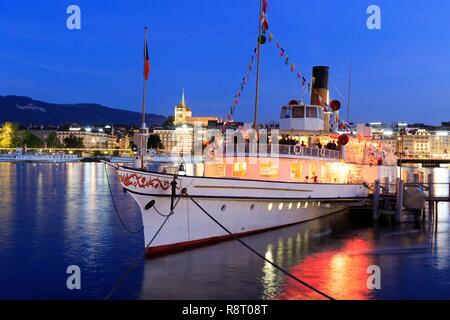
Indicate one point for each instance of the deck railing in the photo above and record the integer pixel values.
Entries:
(291, 151)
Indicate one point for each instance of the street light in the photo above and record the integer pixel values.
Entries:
(402, 133)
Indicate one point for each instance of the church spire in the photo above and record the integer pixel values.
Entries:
(182, 98)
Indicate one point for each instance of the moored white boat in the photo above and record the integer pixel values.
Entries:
(250, 181)
(242, 206)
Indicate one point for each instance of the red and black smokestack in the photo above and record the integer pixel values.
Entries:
(319, 85)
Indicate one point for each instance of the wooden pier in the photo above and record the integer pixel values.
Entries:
(394, 204)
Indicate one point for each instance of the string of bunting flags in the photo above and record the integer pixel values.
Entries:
(288, 62)
(244, 81)
(262, 39)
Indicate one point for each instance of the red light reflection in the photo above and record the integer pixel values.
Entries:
(340, 273)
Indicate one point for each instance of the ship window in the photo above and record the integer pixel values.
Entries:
(239, 169)
(268, 169)
(296, 171)
(311, 112)
(321, 114)
(298, 112)
(312, 170)
(286, 112)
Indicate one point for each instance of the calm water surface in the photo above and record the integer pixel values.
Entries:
(56, 215)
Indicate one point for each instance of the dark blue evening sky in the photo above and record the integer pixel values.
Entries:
(401, 72)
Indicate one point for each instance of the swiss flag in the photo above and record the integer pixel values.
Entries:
(146, 61)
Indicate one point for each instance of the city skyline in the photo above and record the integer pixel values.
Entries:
(204, 48)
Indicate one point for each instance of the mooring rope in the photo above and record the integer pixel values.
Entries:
(134, 265)
(117, 211)
(162, 214)
(172, 208)
(184, 192)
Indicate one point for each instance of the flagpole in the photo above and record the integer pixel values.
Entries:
(145, 86)
(144, 96)
(258, 55)
(349, 88)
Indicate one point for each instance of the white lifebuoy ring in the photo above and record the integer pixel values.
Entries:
(298, 149)
(212, 153)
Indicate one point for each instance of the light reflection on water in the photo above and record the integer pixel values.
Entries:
(56, 215)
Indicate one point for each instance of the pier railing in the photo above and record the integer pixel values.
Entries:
(403, 201)
(433, 189)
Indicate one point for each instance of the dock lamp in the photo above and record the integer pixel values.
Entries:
(181, 169)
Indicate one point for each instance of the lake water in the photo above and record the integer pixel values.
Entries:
(56, 215)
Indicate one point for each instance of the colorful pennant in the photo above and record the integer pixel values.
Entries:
(244, 81)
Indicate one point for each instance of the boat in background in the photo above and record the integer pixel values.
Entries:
(52, 158)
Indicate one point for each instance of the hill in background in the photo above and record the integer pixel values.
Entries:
(26, 111)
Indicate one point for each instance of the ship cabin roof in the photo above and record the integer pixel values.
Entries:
(296, 116)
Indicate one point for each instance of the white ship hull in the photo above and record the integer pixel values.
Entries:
(242, 206)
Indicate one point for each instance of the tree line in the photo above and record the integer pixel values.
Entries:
(12, 137)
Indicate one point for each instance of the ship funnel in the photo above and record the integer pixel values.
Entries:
(319, 86)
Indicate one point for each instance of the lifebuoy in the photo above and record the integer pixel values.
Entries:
(298, 149)
(212, 153)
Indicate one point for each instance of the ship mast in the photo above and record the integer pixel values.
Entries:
(349, 91)
(143, 132)
(258, 58)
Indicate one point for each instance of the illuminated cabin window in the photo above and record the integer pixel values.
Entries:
(239, 169)
(296, 171)
(268, 169)
(324, 174)
(312, 176)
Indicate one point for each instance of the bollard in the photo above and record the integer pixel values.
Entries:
(376, 200)
(385, 185)
(400, 187)
(431, 185)
(430, 194)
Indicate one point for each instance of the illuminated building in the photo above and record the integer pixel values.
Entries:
(422, 143)
(183, 115)
(92, 137)
(414, 141)
(177, 140)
